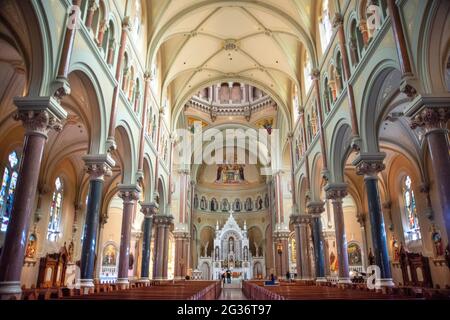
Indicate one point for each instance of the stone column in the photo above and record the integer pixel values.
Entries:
(111, 50)
(281, 239)
(112, 120)
(181, 254)
(97, 167)
(39, 116)
(362, 222)
(336, 192)
(338, 23)
(183, 174)
(92, 7)
(61, 85)
(369, 165)
(301, 240)
(129, 195)
(162, 222)
(101, 33)
(315, 209)
(434, 121)
(323, 147)
(243, 93)
(149, 210)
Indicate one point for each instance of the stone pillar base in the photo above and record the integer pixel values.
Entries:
(123, 283)
(321, 281)
(385, 283)
(10, 290)
(86, 286)
(344, 281)
(144, 280)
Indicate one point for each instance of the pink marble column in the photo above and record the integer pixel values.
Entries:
(39, 116)
(434, 121)
(336, 192)
(301, 241)
(112, 119)
(281, 253)
(144, 123)
(61, 86)
(129, 195)
(181, 254)
(92, 7)
(162, 223)
(338, 23)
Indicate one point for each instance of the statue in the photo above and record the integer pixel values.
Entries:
(259, 203)
(216, 257)
(437, 242)
(203, 203)
(31, 247)
(70, 250)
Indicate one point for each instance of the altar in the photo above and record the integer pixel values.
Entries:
(231, 251)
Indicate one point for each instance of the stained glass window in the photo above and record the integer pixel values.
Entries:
(8, 186)
(307, 69)
(411, 210)
(325, 27)
(55, 211)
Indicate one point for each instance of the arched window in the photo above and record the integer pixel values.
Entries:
(307, 69)
(125, 71)
(137, 18)
(413, 232)
(447, 74)
(339, 75)
(325, 27)
(55, 211)
(328, 99)
(9, 182)
(356, 43)
(110, 45)
(295, 103)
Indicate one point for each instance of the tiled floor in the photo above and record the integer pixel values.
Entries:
(232, 294)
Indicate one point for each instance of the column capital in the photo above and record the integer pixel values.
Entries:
(431, 118)
(315, 208)
(177, 234)
(369, 164)
(361, 218)
(39, 115)
(98, 165)
(281, 235)
(183, 171)
(300, 219)
(126, 23)
(149, 209)
(129, 192)
(162, 219)
(93, 5)
(315, 74)
(338, 20)
(336, 191)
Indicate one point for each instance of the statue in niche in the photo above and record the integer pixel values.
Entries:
(225, 205)
(437, 241)
(371, 257)
(216, 254)
(70, 251)
(259, 203)
(237, 205)
(248, 204)
(130, 261)
(214, 205)
(266, 201)
(203, 203)
(195, 201)
(395, 249)
(31, 247)
(231, 244)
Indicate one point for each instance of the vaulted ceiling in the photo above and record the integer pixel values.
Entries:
(260, 42)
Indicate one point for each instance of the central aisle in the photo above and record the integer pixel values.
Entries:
(232, 294)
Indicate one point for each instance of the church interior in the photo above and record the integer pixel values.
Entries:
(113, 187)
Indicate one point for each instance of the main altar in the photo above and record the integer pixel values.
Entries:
(231, 250)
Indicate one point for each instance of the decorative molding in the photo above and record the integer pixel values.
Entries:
(369, 164)
(99, 165)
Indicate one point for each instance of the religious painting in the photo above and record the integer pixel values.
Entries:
(354, 254)
(109, 255)
(333, 262)
(437, 241)
(266, 124)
